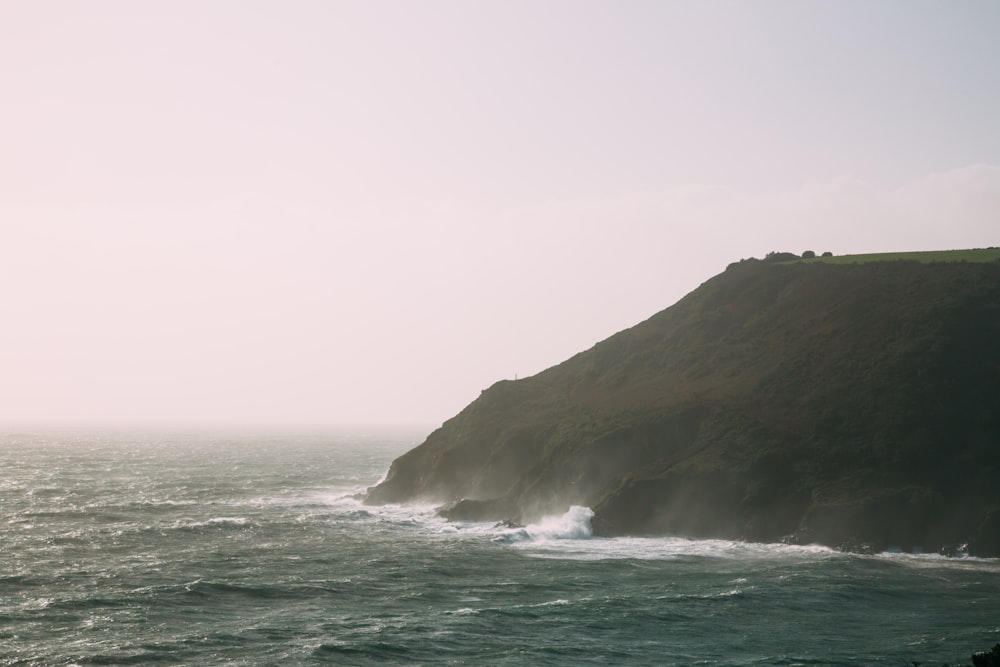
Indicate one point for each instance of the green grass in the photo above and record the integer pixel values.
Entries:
(976, 255)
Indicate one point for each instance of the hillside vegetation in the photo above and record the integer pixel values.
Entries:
(976, 255)
(854, 405)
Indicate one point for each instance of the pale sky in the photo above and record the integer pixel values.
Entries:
(307, 212)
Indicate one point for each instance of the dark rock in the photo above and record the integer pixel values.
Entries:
(853, 404)
(987, 658)
(491, 509)
(954, 550)
(862, 548)
(986, 541)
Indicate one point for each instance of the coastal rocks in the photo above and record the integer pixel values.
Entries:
(490, 509)
(987, 658)
(846, 405)
(986, 541)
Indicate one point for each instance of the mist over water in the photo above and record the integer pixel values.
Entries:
(250, 549)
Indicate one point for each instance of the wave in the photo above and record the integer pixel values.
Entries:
(573, 525)
(216, 522)
(933, 560)
(563, 536)
(570, 536)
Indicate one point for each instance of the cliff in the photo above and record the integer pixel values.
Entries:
(843, 404)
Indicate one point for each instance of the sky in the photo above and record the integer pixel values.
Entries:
(335, 212)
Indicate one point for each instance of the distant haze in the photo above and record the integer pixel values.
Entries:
(366, 212)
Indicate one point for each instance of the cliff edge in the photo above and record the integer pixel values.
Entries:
(854, 405)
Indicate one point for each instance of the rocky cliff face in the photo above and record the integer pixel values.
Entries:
(839, 404)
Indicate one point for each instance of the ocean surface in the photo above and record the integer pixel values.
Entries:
(249, 549)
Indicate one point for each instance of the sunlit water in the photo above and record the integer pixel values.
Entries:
(250, 550)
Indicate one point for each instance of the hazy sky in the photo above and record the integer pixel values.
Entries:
(344, 212)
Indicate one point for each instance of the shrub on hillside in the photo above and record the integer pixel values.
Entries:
(775, 256)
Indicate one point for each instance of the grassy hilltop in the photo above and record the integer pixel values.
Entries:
(975, 255)
(846, 401)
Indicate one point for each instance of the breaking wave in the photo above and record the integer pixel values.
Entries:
(573, 525)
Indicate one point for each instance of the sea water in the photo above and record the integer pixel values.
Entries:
(249, 549)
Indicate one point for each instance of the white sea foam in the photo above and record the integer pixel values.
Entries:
(940, 560)
(570, 536)
(573, 525)
(224, 520)
(673, 548)
(215, 522)
(347, 504)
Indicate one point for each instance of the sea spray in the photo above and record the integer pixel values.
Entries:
(573, 525)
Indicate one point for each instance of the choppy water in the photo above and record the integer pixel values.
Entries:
(250, 550)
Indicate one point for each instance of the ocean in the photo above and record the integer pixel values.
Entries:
(188, 548)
